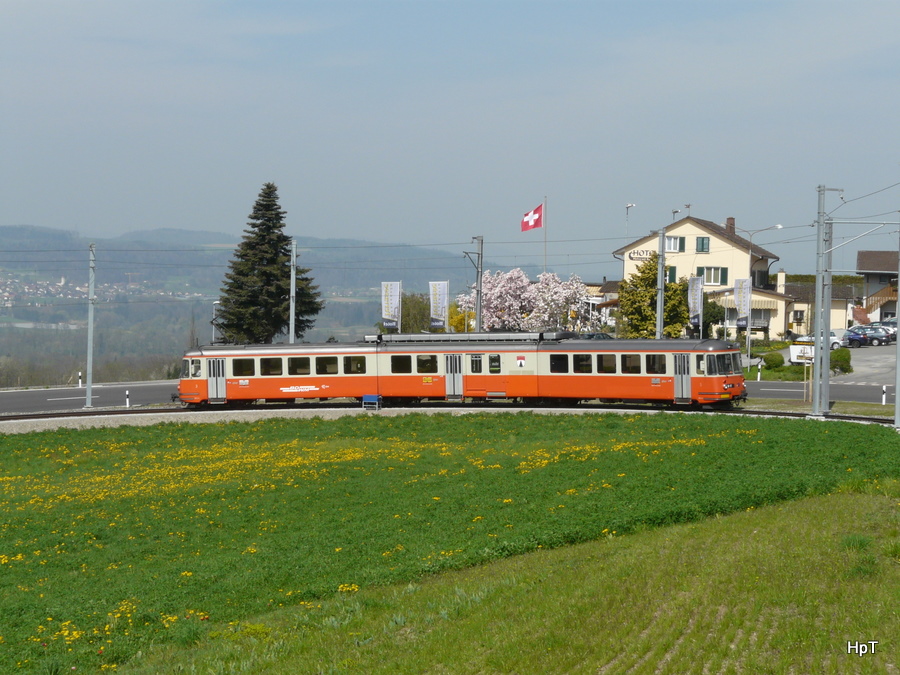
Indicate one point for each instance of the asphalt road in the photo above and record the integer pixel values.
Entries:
(118, 395)
(872, 381)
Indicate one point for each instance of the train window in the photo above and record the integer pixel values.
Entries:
(559, 363)
(475, 363)
(270, 365)
(656, 364)
(700, 361)
(581, 363)
(190, 368)
(725, 364)
(606, 363)
(711, 365)
(298, 365)
(426, 363)
(354, 365)
(494, 363)
(401, 363)
(631, 364)
(326, 365)
(243, 368)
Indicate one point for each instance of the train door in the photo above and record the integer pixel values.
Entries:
(216, 380)
(682, 378)
(454, 376)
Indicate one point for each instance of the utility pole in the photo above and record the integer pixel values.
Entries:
(479, 263)
(660, 283)
(897, 362)
(822, 311)
(90, 344)
(293, 289)
(822, 326)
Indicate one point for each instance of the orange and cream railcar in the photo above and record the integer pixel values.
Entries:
(468, 366)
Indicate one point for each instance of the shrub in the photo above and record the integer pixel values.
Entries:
(840, 361)
(773, 360)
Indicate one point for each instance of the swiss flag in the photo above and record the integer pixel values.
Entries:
(533, 219)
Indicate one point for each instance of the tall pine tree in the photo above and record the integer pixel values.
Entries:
(255, 301)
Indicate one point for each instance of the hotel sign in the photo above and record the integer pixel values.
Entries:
(641, 254)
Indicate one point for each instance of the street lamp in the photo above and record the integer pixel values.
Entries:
(750, 287)
(214, 321)
(627, 207)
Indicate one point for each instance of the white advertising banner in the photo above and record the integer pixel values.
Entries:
(439, 291)
(742, 302)
(695, 300)
(390, 304)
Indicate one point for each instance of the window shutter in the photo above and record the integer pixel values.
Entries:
(681, 243)
(724, 276)
(700, 272)
(670, 273)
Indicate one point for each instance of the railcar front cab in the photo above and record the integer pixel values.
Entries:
(719, 377)
(192, 387)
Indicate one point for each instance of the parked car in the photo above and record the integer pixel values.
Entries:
(877, 336)
(854, 339)
(836, 342)
(890, 327)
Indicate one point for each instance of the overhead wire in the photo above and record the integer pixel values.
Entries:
(844, 202)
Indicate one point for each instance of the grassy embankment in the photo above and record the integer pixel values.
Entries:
(307, 546)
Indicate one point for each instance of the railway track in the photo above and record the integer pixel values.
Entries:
(339, 408)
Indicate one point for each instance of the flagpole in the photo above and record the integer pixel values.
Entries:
(544, 223)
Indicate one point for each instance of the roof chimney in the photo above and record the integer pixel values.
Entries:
(729, 225)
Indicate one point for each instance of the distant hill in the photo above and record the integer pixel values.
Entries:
(34, 237)
(168, 235)
(178, 259)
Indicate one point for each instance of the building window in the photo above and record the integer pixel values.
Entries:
(713, 276)
(674, 244)
(702, 244)
(799, 315)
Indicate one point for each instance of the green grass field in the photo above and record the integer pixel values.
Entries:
(263, 547)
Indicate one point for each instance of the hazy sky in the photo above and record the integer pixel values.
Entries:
(432, 121)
